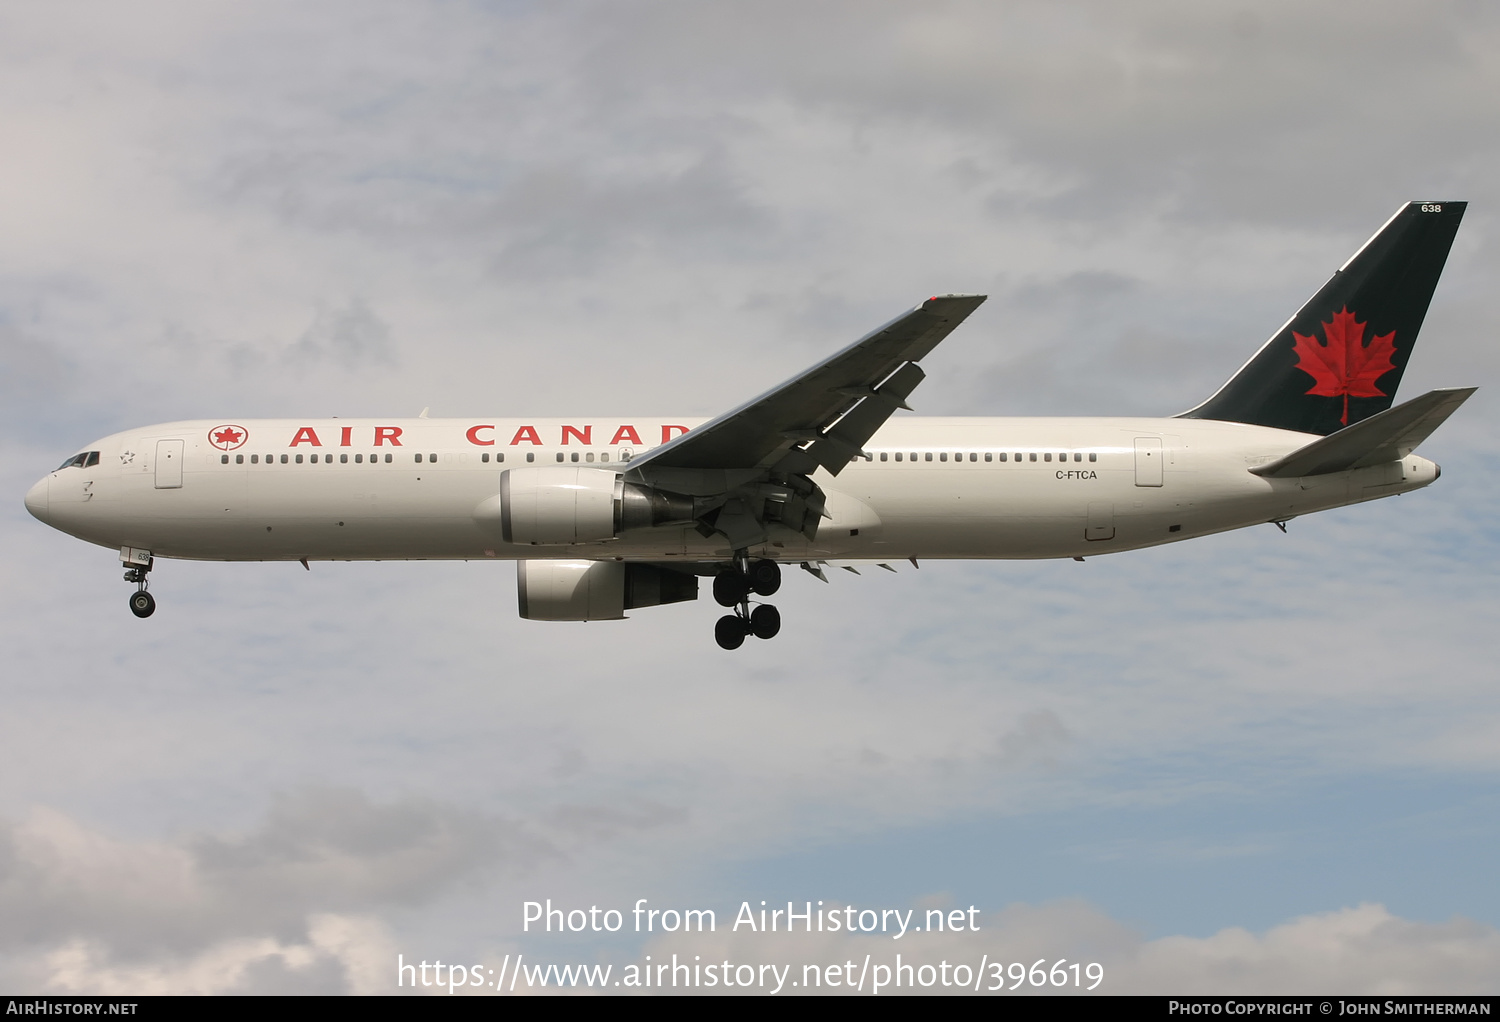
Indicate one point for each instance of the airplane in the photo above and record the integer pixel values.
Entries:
(608, 515)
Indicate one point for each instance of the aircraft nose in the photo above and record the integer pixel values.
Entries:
(36, 499)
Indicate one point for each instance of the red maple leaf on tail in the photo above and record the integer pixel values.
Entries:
(1345, 365)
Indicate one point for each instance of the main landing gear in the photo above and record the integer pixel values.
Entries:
(733, 587)
(142, 603)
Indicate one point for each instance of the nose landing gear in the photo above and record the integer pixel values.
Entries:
(142, 604)
(732, 588)
(137, 566)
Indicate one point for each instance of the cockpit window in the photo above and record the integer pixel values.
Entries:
(84, 460)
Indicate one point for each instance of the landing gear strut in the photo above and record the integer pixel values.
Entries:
(733, 587)
(142, 603)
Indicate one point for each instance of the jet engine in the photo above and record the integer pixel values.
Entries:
(564, 505)
(597, 590)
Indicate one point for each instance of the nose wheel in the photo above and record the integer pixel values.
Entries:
(142, 603)
(732, 588)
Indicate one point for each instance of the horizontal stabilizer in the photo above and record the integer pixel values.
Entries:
(1386, 436)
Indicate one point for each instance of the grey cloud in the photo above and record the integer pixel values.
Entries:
(352, 337)
(273, 976)
(31, 368)
(1197, 110)
(1039, 737)
(320, 850)
(331, 849)
(594, 823)
(559, 221)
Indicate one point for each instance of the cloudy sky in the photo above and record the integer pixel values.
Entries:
(1251, 763)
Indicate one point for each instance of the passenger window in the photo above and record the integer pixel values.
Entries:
(485, 457)
(299, 459)
(530, 456)
(974, 457)
(255, 459)
(1002, 455)
(604, 456)
(1077, 456)
(1047, 456)
(929, 457)
(500, 456)
(223, 459)
(417, 458)
(590, 457)
(625, 455)
(239, 459)
(941, 457)
(559, 455)
(387, 459)
(432, 458)
(343, 459)
(359, 459)
(1093, 456)
(898, 455)
(575, 457)
(1033, 455)
(884, 455)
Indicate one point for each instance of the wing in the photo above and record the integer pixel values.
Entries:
(824, 416)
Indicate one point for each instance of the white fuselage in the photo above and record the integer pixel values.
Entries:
(358, 489)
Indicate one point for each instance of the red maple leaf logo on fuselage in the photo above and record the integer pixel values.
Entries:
(1345, 365)
(227, 437)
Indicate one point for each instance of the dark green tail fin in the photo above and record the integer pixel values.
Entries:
(1340, 358)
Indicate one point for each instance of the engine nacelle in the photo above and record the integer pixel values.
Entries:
(555, 506)
(558, 506)
(596, 590)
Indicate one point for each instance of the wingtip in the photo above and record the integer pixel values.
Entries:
(975, 299)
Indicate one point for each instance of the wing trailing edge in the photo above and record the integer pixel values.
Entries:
(827, 412)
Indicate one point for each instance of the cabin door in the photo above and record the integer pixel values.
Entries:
(168, 464)
(1148, 461)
